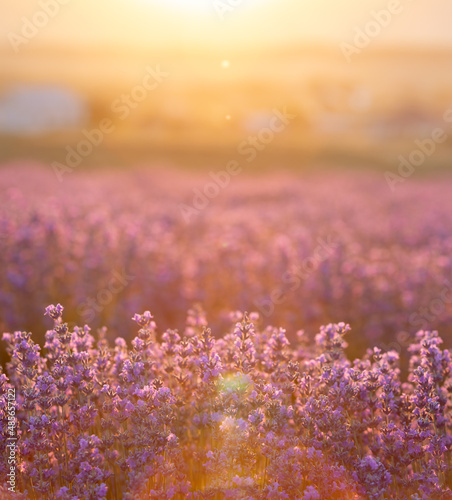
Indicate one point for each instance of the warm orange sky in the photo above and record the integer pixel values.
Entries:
(189, 23)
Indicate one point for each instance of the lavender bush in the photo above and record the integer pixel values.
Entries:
(249, 415)
(231, 408)
(386, 264)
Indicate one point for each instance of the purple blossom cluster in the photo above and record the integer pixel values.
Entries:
(249, 415)
(252, 248)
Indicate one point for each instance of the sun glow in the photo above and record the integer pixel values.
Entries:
(206, 24)
(192, 6)
(219, 9)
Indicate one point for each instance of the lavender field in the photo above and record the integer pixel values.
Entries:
(301, 250)
(168, 344)
(225, 250)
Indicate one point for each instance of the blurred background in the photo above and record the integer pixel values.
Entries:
(363, 86)
(160, 93)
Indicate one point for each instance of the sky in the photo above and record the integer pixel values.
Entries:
(211, 24)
